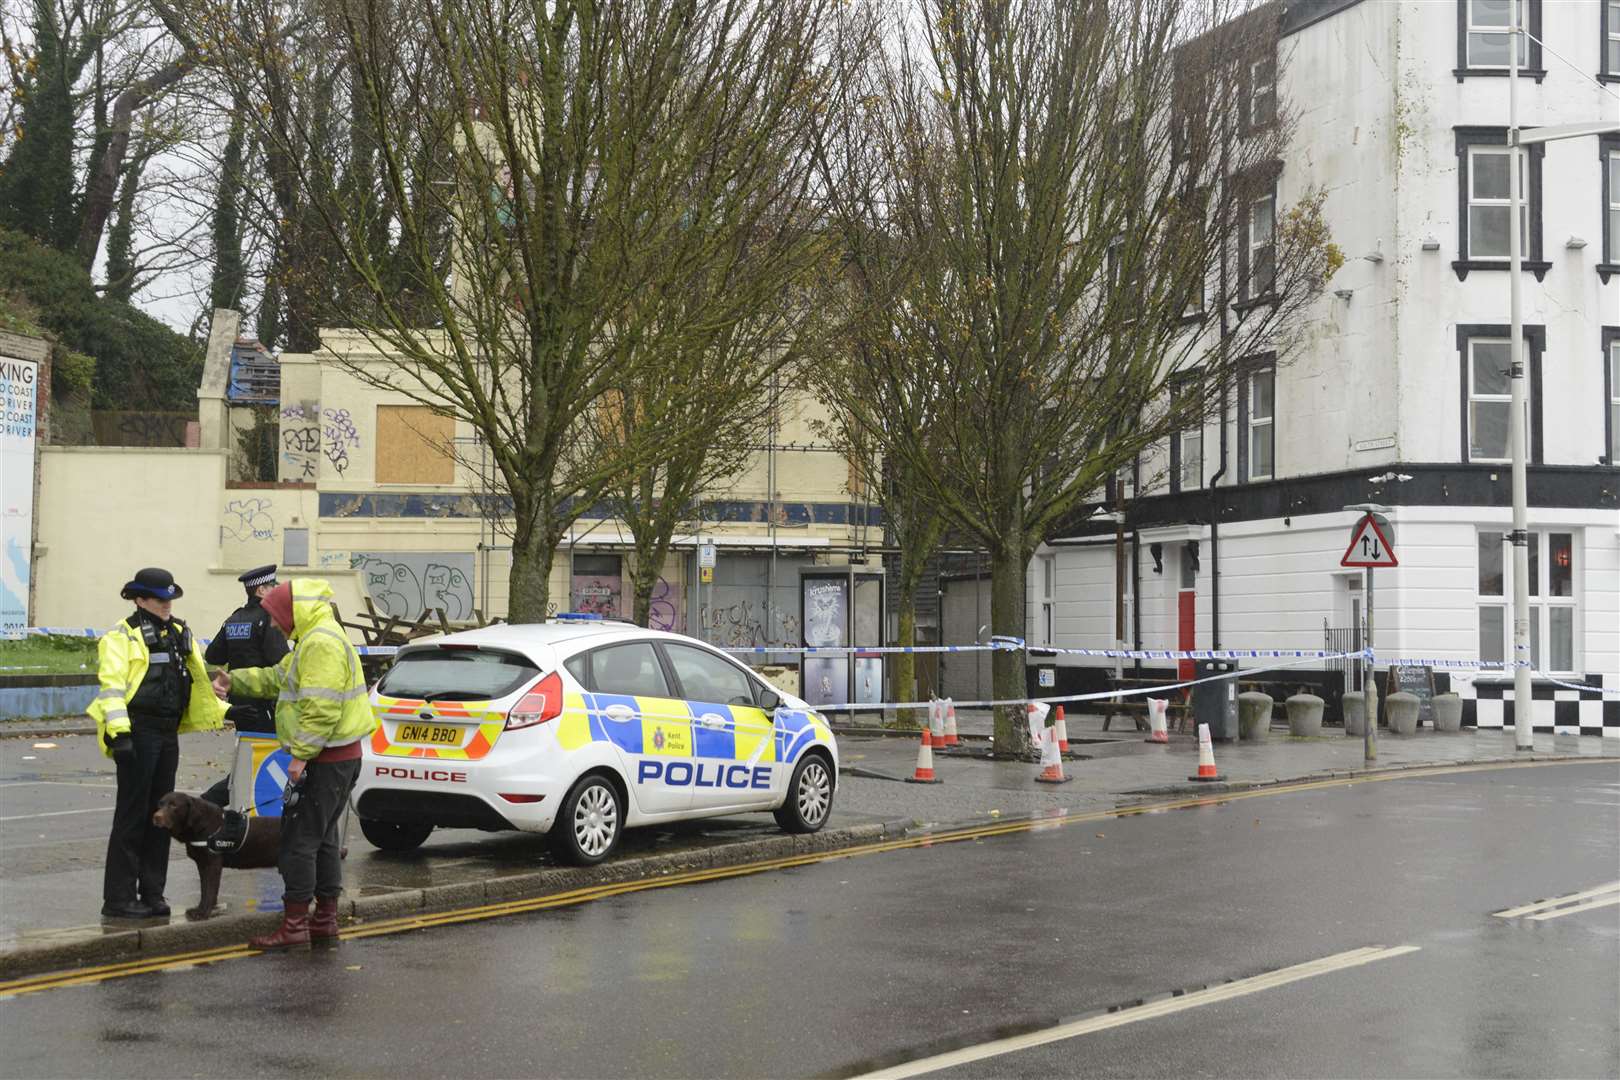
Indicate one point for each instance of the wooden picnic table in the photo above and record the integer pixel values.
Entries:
(1137, 705)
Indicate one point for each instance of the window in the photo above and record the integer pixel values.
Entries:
(294, 547)
(414, 445)
(1257, 419)
(1553, 603)
(1483, 209)
(1262, 92)
(1611, 392)
(1484, 34)
(1048, 592)
(1488, 203)
(1609, 154)
(629, 669)
(1610, 39)
(1187, 444)
(1489, 400)
(706, 677)
(1487, 391)
(1191, 473)
(1260, 248)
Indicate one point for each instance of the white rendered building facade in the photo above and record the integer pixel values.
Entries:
(1399, 394)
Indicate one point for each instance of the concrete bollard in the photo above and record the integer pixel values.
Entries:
(1254, 716)
(1447, 712)
(1355, 713)
(1305, 715)
(1402, 709)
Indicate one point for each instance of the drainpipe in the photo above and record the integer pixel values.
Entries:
(1136, 596)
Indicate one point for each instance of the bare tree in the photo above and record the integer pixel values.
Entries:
(1051, 192)
(546, 173)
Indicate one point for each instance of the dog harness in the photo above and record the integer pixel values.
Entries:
(230, 835)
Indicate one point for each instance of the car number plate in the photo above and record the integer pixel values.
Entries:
(433, 734)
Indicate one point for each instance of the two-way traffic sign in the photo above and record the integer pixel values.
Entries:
(1368, 545)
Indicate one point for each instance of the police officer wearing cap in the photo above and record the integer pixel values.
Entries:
(154, 685)
(248, 639)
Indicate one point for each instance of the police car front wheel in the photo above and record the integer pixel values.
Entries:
(589, 821)
(809, 798)
(389, 836)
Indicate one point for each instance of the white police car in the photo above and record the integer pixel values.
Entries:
(581, 728)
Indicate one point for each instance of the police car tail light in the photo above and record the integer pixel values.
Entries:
(542, 703)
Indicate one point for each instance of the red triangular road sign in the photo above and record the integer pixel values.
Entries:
(1368, 545)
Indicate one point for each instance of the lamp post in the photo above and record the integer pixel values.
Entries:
(1523, 726)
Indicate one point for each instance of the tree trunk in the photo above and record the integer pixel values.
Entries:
(103, 181)
(530, 584)
(1008, 616)
(650, 558)
(905, 664)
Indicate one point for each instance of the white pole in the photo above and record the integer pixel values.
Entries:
(1523, 729)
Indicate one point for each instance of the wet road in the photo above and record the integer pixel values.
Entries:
(858, 963)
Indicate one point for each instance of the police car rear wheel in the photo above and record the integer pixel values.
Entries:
(809, 798)
(389, 836)
(589, 822)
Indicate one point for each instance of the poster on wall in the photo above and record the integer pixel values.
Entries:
(826, 614)
(18, 386)
(597, 586)
(407, 585)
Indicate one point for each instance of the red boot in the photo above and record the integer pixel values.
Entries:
(323, 922)
(293, 932)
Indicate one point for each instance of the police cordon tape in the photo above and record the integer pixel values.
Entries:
(1012, 644)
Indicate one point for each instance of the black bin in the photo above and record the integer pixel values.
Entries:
(1215, 703)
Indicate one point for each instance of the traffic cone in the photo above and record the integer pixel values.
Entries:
(949, 707)
(1156, 720)
(1051, 760)
(925, 763)
(1206, 757)
(1062, 732)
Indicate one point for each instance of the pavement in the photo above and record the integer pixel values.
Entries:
(56, 793)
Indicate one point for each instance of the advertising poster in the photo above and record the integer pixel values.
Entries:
(18, 387)
(826, 609)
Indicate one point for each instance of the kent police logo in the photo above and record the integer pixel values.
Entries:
(658, 739)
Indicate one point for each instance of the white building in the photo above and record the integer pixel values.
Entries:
(1400, 397)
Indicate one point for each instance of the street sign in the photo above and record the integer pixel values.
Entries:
(705, 575)
(1369, 546)
(706, 556)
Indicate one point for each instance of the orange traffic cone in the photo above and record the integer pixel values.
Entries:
(950, 723)
(1206, 756)
(1051, 760)
(925, 763)
(1156, 720)
(936, 723)
(1062, 732)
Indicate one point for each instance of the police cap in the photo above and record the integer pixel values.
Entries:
(154, 582)
(259, 575)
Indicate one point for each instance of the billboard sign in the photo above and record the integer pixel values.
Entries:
(19, 381)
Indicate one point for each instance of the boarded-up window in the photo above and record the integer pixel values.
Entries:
(414, 446)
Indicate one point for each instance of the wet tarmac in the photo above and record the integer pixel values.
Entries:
(856, 963)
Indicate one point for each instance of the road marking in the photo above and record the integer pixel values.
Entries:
(56, 980)
(1151, 1011)
(59, 813)
(55, 783)
(1588, 906)
(1557, 901)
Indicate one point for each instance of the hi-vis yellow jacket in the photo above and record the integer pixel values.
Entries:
(319, 687)
(123, 661)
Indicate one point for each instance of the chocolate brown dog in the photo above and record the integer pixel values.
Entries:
(192, 821)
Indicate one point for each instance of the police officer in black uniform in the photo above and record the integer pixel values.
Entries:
(248, 639)
(148, 754)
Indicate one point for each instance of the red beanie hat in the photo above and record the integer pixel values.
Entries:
(278, 602)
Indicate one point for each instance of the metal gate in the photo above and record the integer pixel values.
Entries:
(1345, 639)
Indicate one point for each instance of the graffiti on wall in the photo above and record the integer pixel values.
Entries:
(408, 585)
(308, 432)
(249, 520)
(664, 612)
(741, 625)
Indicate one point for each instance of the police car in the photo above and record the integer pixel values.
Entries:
(581, 728)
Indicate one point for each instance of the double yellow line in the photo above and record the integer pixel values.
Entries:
(427, 920)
